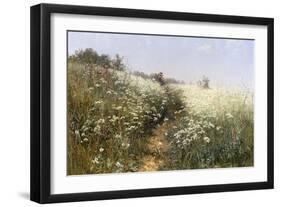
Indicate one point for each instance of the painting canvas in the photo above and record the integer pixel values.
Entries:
(152, 102)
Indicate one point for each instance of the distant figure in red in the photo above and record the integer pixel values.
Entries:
(160, 78)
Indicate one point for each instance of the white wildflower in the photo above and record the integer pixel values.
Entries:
(206, 139)
(118, 164)
(211, 125)
(96, 160)
(98, 102)
(125, 145)
(77, 135)
(229, 115)
(118, 136)
(101, 121)
(118, 108)
(97, 129)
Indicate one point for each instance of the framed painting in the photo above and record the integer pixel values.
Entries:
(132, 103)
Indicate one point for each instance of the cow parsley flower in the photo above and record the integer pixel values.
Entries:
(229, 115)
(207, 139)
(118, 164)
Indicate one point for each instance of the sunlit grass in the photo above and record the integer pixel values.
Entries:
(215, 130)
(112, 114)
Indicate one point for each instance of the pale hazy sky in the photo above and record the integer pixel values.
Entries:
(225, 61)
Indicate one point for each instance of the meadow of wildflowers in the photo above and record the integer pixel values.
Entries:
(110, 117)
(112, 114)
(215, 130)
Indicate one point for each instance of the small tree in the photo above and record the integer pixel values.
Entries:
(87, 56)
(204, 83)
(104, 61)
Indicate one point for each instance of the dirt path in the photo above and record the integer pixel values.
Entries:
(157, 146)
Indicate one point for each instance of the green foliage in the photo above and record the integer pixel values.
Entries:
(117, 63)
(89, 57)
(112, 113)
(110, 116)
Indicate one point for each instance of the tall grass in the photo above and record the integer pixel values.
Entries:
(112, 113)
(110, 116)
(215, 130)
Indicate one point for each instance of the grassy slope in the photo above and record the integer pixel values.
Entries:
(112, 116)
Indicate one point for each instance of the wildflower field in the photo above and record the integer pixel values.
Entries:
(119, 121)
(215, 130)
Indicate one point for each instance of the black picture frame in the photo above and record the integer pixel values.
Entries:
(41, 96)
